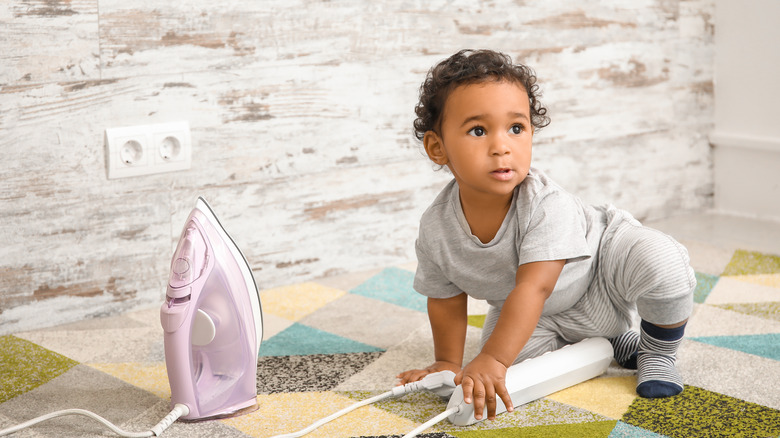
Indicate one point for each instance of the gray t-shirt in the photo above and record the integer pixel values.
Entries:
(544, 223)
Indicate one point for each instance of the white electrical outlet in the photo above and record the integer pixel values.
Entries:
(147, 149)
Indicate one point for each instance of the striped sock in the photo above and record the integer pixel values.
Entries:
(657, 376)
(625, 347)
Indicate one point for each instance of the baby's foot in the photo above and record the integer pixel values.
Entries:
(625, 347)
(657, 376)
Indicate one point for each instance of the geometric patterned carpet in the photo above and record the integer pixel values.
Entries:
(335, 341)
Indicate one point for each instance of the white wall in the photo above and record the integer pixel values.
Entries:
(301, 115)
(747, 108)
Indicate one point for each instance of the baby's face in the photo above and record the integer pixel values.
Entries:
(486, 134)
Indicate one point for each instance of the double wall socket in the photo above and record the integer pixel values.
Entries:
(146, 149)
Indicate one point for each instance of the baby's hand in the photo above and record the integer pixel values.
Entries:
(415, 375)
(483, 379)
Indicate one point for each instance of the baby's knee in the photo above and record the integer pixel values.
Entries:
(662, 281)
(657, 267)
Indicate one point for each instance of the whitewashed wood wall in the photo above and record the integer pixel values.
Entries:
(301, 116)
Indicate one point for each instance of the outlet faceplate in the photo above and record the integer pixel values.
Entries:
(146, 149)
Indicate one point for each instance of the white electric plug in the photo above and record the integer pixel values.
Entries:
(441, 384)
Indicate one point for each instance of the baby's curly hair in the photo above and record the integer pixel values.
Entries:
(469, 67)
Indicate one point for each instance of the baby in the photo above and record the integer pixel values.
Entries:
(553, 269)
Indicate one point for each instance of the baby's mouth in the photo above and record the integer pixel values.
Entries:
(504, 173)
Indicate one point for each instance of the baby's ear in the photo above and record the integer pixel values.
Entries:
(434, 147)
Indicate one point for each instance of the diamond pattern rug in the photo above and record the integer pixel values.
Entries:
(336, 341)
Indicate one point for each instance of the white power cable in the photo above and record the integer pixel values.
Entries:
(432, 422)
(332, 417)
(441, 383)
(178, 411)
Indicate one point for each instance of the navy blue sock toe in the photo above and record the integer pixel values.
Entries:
(658, 389)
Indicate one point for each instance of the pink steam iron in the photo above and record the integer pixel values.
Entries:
(212, 321)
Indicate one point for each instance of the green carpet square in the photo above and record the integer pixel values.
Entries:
(424, 435)
(597, 429)
(752, 263)
(477, 321)
(766, 310)
(25, 366)
(701, 413)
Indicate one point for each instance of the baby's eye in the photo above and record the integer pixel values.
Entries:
(477, 131)
(516, 129)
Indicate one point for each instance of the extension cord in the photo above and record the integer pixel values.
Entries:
(526, 381)
(538, 377)
(533, 379)
(441, 383)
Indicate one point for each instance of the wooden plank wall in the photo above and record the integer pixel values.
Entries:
(301, 116)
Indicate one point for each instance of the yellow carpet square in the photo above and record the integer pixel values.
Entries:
(608, 396)
(771, 280)
(298, 300)
(731, 290)
(152, 377)
(290, 412)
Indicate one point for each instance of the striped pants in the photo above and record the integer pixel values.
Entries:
(640, 270)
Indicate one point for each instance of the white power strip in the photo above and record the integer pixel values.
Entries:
(541, 376)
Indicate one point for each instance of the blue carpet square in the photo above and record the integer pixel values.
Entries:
(761, 345)
(299, 340)
(625, 430)
(704, 285)
(393, 285)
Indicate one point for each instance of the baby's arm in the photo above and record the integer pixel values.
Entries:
(483, 378)
(448, 319)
